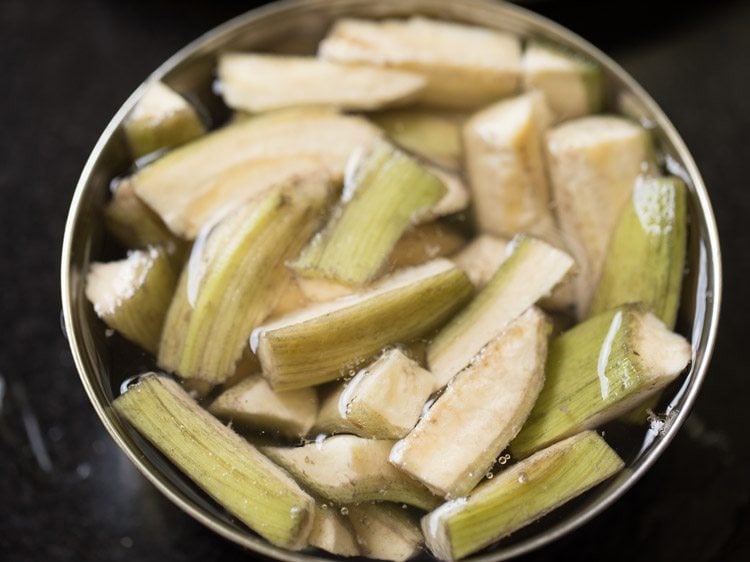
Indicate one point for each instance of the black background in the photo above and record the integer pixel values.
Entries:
(66, 66)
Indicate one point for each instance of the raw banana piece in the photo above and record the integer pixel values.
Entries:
(322, 342)
(593, 164)
(519, 495)
(481, 258)
(132, 223)
(287, 143)
(386, 531)
(459, 438)
(346, 469)
(230, 283)
(432, 135)
(254, 404)
(465, 66)
(219, 461)
(646, 256)
(333, 532)
(505, 164)
(385, 399)
(599, 370)
(387, 191)
(573, 86)
(261, 82)
(132, 295)
(161, 119)
(530, 272)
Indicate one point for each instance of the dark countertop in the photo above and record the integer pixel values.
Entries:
(68, 493)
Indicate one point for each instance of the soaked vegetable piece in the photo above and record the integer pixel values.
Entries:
(333, 532)
(384, 400)
(593, 164)
(572, 85)
(600, 369)
(346, 469)
(433, 135)
(646, 257)
(322, 342)
(386, 531)
(219, 461)
(132, 295)
(519, 495)
(258, 82)
(457, 441)
(161, 119)
(531, 271)
(505, 164)
(229, 286)
(387, 192)
(254, 404)
(465, 66)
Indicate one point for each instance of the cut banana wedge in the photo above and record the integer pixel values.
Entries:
(257, 83)
(593, 164)
(505, 163)
(531, 271)
(465, 66)
(346, 469)
(457, 441)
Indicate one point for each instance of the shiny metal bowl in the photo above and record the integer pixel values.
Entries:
(296, 26)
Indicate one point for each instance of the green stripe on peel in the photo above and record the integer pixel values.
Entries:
(385, 194)
(646, 257)
(230, 284)
(598, 370)
(223, 464)
(519, 495)
(325, 341)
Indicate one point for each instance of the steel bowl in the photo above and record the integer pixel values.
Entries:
(295, 26)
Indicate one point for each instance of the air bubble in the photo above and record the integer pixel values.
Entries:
(344, 510)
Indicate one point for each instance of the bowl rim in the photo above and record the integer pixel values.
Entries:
(520, 14)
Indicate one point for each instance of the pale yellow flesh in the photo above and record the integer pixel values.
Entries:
(346, 469)
(385, 531)
(385, 399)
(593, 164)
(531, 271)
(519, 495)
(481, 258)
(465, 66)
(281, 144)
(332, 532)
(457, 441)
(571, 85)
(253, 403)
(504, 160)
(259, 82)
